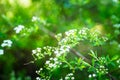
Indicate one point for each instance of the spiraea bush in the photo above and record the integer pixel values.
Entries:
(59, 65)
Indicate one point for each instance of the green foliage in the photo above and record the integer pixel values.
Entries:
(98, 67)
(13, 77)
(87, 40)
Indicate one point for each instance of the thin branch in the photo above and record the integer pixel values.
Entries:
(79, 55)
(111, 77)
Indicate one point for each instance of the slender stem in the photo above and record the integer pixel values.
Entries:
(111, 77)
(79, 55)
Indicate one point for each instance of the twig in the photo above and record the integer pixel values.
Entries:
(79, 55)
(111, 77)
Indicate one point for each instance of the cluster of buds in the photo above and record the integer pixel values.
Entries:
(63, 49)
(69, 77)
(92, 75)
(38, 78)
(40, 70)
(19, 28)
(102, 70)
(37, 53)
(7, 43)
(118, 62)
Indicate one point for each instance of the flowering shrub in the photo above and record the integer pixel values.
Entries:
(84, 54)
(57, 57)
(98, 68)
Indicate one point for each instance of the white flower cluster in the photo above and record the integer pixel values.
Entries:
(35, 18)
(92, 75)
(104, 38)
(48, 50)
(118, 62)
(7, 43)
(69, 77)
(19, 28)
(63, 49)
(37, 53)
(52, 63)
(38, 78)
(58, 36)
(101, 69)
(1, 51)
(71, 32)
(71, 38)
(116, 25)
(116, 1)
(83, 33)
(36, 50)
(40, 70)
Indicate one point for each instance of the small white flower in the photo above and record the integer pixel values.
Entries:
(60, 63)
(56, 62)
(45, 48)
(37, 78)
(6, 43)
(1, 51)
(106, 72)
(62, 48)
(58, 36)
(119, 46)
(94, 75)
(61, 79)
(72, 78)
(55, 59)
(38, 71)
(71, 32)
(51, 65)
(90, 76)
(39, 49)
(51, 58)
(115, 1)
(34, 51)
(118, 61)
(67, 48)
(34, 18)
(66, 78)
(102, 67)
(47, 62)
(119, 66)
(41, 69)
(70, 74)
(82, 32)
(18, 28)
(57, 53)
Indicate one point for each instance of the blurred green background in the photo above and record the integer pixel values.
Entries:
(57, 16)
